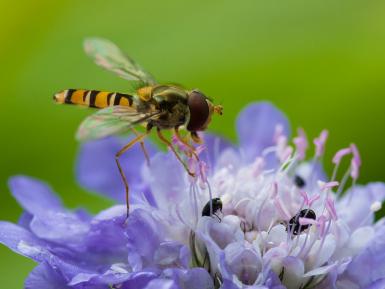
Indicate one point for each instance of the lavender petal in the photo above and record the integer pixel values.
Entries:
(97, 170)
(256, 126)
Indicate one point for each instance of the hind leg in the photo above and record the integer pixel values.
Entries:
(138, 138)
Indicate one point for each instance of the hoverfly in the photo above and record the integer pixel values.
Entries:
(146, 103)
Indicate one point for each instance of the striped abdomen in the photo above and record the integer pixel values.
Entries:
(93, 98)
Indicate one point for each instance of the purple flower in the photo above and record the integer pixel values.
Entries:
(282, 222)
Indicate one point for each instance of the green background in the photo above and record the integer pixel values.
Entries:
(322, 62)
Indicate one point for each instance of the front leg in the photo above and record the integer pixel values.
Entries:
(186, 143)
(195, 137)
(168, 143)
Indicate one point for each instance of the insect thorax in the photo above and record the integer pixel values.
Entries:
(172, 102)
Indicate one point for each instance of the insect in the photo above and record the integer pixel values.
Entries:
(295, 227)
(212, 207)
(200, 254)
(146, 103)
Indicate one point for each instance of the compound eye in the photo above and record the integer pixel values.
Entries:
(199, 111)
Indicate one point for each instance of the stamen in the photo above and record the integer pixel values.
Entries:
(258, 166)
(275, 190)
(180, 217)
(304, 243)
(323, 240)
(202, 174)
(355, 163)
(307, 221)
(211, 198)
(343, 182)
(278, 133)
(268, 151)
(321, 224)
(374, 207)
(194, 201)
(283, 151)
(309, 201)
(320, 143)
(237, 204)
(331, 208)
(354, 172)
(340, 154)
(305, 197)
(301, 144)
(356, 154)
(282, 210)
(315, 239)
(313, 199)
(337, 160)
(324, 186)
(287, 164)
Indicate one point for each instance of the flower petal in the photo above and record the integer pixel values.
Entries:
(321, 252)
(244, 262)
(369, 265)
(115, 275)
(60, 227)
(272, 281)
(34, 196)
(214, 146)
(354, 208)
(107, 233)
(144, 237)
(196, 278)
(22, 242)
(293, 272)
(256, 126)
(221, 234)
(44, 277)
(161, 284)
(172, 254)
(97, 170)
(379, 284)
(167, 179)
(227, 284)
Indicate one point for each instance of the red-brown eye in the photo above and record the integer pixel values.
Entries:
(199, 111)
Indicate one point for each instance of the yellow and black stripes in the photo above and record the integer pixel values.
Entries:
(93, 98)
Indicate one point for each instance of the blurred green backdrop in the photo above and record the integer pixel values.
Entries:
(322, 62)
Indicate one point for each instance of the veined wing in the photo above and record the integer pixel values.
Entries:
(110, 121)
(109, 56)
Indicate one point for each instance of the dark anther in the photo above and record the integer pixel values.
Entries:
(295, 227)
(217, 206)
(299, 181)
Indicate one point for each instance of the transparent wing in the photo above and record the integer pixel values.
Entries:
(109, 56)
(110, 121)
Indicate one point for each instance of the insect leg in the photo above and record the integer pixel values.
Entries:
(186, 143)
(142, 146)
(219, 219)
(195, 137)
(165, 141)
(138, 138)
